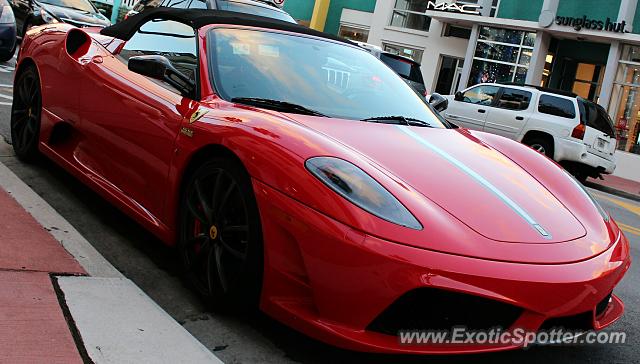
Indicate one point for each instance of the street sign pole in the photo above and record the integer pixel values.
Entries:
(115, 11)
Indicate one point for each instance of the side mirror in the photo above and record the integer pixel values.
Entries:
(459, 96)
(439, 102)
(160, 68)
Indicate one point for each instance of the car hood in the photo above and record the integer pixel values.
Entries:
(472, 181)
(76, 17)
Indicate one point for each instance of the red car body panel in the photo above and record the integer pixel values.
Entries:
(331, 267)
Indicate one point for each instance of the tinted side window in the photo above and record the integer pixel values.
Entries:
(481, 95)
(171, 39)
(602, 121)
(514, 99)
(557, 106)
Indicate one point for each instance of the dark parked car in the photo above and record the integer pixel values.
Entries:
(266, 8)
(405, 67)
(80, 13)
(7, 32)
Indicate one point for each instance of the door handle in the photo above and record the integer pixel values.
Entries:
(482, 111)
(519, 118)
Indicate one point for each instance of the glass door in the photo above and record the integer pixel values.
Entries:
(449, 75)
(626, 107)
(588, 80)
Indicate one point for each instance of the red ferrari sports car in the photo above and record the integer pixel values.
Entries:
(296, 172)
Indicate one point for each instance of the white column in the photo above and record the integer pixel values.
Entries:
(627, 13)
(468, 58)
(550, 5)
(538, 59)
(609, 74)
(486, 7)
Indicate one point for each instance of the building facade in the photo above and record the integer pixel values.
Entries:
(589, 47)
(349, 18)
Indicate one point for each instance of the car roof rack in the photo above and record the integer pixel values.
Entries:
(543, 89)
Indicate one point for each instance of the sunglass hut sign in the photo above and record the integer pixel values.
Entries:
(592, 24)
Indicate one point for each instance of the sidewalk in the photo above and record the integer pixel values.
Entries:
(62, 302)
(616, 186)
(32, 324)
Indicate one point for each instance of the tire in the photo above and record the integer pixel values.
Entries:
(220, 235)
(5, 56)
(541, 146)
(26, 111)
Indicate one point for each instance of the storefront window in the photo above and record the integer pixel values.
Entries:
(415, 54)
(502, 55)
(354, 34)
(410, 14)
(625, 101)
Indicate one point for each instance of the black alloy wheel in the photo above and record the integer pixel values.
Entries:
(25, 115)
(220, 235)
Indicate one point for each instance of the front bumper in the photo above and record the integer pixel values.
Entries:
(577, 152)
(331, 282)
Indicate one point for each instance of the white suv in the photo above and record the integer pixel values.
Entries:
(573, 131)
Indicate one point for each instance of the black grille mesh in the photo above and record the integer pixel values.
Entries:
(434, 309)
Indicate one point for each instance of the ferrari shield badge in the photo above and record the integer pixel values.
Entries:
(197, 115)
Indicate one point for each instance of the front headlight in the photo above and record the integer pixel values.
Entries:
(361, 189)
(7, 15)
(47, 17)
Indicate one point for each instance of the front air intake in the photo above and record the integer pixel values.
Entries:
(435, 309)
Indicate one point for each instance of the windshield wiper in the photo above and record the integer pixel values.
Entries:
(398, 120)
(277, 105)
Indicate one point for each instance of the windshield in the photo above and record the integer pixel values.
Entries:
(336, 80)
(254, 9)
(83, 5)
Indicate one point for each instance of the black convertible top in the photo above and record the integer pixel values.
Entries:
(198, 18)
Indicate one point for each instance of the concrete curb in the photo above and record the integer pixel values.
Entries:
(613, 191)
(110, 311)
(119, 323)
(88, 257)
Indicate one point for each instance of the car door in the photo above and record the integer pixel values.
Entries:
(599, 136)
(510, 114)
(469, 109)
(130, 122)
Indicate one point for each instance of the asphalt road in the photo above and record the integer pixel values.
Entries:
(239, 339)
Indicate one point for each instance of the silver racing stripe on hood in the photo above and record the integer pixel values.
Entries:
(480, 180)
